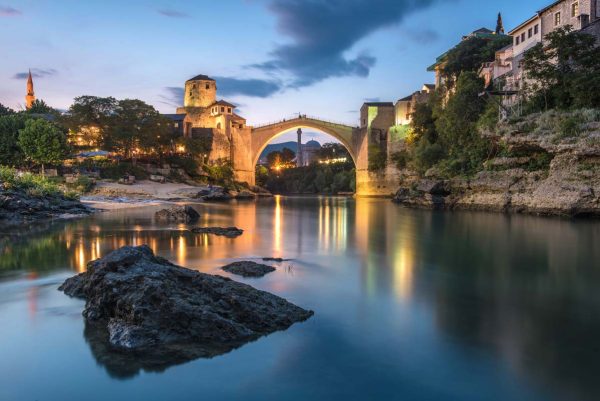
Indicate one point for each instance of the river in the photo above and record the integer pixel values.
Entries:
(409, 305)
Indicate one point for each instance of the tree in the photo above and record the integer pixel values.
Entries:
(274, 159)
(564, 72)
(43, 142)
(91, 119)
(456, 125)
(40, 107)
(333, 150)
(10, 152)
(469, 54)
(136, 128)
(287, 155)
(423, 123)
(5, 110)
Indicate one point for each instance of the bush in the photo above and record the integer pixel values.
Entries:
(426, 155)
(33, 184)
(377, 158)
(82, 185)
(401, 159)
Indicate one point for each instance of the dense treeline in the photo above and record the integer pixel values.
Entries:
(280, 176)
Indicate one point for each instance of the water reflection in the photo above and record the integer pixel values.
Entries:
(521, 289)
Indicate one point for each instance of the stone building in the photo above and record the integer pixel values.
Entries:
(577, 13)
(202, 115)
(405, 107)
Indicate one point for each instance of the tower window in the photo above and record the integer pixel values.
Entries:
(557, 19)
(222, 109)
(229, 110)
(207, 86)
(530, 33)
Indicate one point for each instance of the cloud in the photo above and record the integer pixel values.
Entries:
(247, 87)
(173, 13)
(173, 96)
(6, 11)
(36, 73)
(423, 36)
(322, 31)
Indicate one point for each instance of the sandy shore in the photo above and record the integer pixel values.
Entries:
(113, 196)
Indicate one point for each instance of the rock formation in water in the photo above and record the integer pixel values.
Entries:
(18, 206)
(544, 171)
(178, 214)
(143, 303)
(229, 232)
(248, 269)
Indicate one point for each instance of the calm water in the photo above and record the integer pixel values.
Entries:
(409, 305)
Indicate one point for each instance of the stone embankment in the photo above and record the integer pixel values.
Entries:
(140, 302)
(550, 166)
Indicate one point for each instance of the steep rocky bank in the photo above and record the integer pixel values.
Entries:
(549, 165)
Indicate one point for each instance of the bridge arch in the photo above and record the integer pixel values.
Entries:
(261, 136)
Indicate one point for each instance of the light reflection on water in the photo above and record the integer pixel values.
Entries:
(412, 303)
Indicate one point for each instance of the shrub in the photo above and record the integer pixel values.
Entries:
(33, 184)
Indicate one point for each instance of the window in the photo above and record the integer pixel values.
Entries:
(557, 19)
(229, 110)
(529, 33)
(191, 95)
(207, 86)
(536, 29)
(518, 40)
(523, 37)
(575, 9)
(222, 109)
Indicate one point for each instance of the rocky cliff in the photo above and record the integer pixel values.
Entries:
(548, 164)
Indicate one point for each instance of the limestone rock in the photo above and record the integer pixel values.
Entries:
(141, 302)
(178, 214)
(230, 232)
(248, 269)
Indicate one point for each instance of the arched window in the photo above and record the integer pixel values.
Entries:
(218, 125)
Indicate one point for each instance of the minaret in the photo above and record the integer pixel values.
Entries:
(299, 161)
(30, 98)
(500, 25)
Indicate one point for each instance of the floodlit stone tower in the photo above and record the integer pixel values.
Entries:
(30, 98)
(200, 91)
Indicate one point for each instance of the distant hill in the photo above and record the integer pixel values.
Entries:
(278, 147)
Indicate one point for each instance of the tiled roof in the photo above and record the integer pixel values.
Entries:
(201, 77)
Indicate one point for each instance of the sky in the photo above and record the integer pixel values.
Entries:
(272, 58)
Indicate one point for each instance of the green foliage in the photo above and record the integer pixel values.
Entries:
(377, 158)
(186, 162)
(280, 158)
(469, 54)
(399, 133)
(539, 161)
(43, 142)
(33, 184)
(401, 159)
(423, 122)
(221, 173)
(333, 150)
(426, 155)
(10, 152)
(570, 127)
(490, 116)
(564, 72)
(82, 185)
(40, 107)
(313, 179)
(88, 112)
(4, 111)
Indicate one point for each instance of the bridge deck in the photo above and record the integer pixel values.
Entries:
(300, 119)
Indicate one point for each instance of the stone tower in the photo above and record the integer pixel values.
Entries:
(200, 91)
(30, 98)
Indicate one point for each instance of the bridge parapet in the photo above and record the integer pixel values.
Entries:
(303, 118)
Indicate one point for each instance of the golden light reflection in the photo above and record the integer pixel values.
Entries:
(181, 251)
(277, 226)
(404, 263)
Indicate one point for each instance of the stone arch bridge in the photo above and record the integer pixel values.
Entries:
(248, 150)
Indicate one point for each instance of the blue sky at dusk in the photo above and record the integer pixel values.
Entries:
(271, 57)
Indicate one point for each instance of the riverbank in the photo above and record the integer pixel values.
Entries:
(545, 168)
